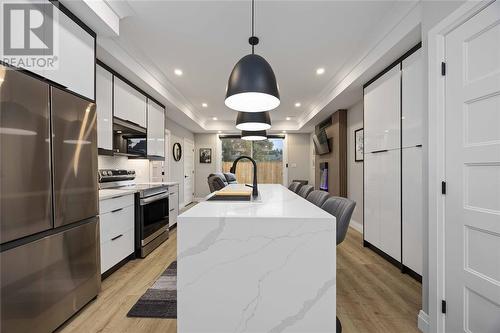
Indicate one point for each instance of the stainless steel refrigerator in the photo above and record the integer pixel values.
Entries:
(49, 229)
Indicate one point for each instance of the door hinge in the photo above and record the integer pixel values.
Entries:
(443, 187)
(443, 306)
(443, 68)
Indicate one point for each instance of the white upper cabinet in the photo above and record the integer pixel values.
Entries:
(74, 48)
(104, 108)
(130, 104)
(413, 99)
(382, 104)
(156, 129)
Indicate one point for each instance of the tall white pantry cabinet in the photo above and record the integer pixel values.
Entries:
(393, 197)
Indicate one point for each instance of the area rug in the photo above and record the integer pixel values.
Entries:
(159, 301)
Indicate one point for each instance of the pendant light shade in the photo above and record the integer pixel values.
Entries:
(253, 121)
(252, 86)
(254, 135)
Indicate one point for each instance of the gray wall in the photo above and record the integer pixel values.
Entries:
(202, 170)
(355, 169)
(299, 151)
(432, 13)
(177, 134)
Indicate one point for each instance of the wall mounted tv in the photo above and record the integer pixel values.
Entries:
(321, 142)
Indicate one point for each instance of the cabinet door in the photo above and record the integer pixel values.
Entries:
(389, 164)
(413, 100)
(104, 108)
(73, 49)
(130, 104)
(372, 174)
(382, 112)
(412, 206)
(76, 58)
(173, 202)
(156, 129)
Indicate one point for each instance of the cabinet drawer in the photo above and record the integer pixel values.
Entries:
(113, 251)
(174, 189)
(108, 205)
(116, 223)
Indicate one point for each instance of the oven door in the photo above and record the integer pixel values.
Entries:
(154, 211)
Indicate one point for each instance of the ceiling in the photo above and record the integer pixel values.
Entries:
(206, 38)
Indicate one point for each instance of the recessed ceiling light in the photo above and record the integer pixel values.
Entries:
(178, 72)
(205, 105)
(320, 71)
(214, 118)
(283, 131)
(297, 105)
(288, 118)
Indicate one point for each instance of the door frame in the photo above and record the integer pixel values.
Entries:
(436, 157)
(184, 172)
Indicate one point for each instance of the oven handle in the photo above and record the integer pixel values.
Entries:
(149, 200)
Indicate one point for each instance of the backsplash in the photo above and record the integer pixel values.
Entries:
(141, 166)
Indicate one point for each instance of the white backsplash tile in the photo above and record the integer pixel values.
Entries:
(141, 166)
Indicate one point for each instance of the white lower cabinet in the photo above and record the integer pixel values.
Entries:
(173, 204)
(413, 212)
(116, 230)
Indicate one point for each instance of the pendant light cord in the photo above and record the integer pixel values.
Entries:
(253, 9)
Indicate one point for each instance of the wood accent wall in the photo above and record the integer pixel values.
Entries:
(337, 158)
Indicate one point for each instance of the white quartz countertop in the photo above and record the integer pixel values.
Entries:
(113, 193)
(260, 266)
(275, 201)
(109, 193)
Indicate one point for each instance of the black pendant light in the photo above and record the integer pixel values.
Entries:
(252, 85)
(253, 121)
(253, 135)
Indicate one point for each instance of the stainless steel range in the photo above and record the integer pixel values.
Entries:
(151, 207)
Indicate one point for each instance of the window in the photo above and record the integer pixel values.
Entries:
(268, 154)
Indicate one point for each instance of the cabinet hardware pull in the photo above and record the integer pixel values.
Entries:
(116, 210)
(115, 238)
(379, 151)
(172, 210)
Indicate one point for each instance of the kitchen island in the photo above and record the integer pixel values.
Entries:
(266, 265)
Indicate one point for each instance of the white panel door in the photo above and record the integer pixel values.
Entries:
(413, 99)
(412, 208)
(104, 108)
(389, 194)
(130, 104)
(472, 158)
(188, 171)
(372, 175)
(382, 112)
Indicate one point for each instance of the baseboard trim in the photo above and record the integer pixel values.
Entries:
(423, 322)
(356, 226)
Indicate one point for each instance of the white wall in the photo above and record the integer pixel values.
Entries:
(355, 169)
(202, 170)
(177, 134)
(299, 163)
(432, 13)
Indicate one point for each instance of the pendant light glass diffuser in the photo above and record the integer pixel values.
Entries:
(254, 135)
(253, 121)
(252, 85)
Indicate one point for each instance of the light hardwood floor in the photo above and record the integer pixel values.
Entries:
(372, 295)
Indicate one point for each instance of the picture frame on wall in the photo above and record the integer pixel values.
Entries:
(358, 145)
(206, 155)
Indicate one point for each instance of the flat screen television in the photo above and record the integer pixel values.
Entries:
(321, 143)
